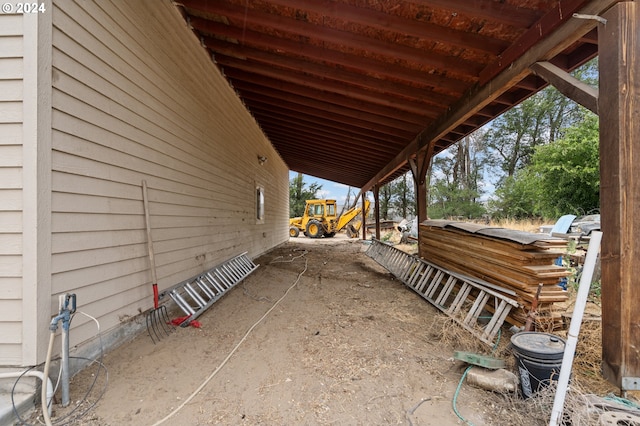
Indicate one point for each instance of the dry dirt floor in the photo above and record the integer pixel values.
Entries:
(319, 334)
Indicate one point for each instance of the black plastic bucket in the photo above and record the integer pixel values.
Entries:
(538, 358)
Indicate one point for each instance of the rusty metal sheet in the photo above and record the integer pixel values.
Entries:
(520, 237)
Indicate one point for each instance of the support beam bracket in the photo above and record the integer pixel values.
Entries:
(568, 85)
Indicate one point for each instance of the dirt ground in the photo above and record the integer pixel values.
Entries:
(319, 334)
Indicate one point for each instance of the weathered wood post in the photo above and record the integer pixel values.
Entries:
(619, 110)
(376, 200)
(419, 168)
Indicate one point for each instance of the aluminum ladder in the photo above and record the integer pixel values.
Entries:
(471, 303)
(197, 294)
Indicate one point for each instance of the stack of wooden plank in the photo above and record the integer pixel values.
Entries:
(512, 260)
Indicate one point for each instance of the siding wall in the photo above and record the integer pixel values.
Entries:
(25, 195)
(136, 97)
(11, 95)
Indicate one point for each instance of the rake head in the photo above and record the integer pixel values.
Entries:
(158, 323)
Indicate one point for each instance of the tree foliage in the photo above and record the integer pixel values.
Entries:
(397, 198)
(299, 193)
(563, 177)
(515, 197)
(539, 120)
(455, 189)
(543, 171)
(403, 196)
(384, 198)
(567, 171)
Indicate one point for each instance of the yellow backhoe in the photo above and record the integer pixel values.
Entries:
(320, 219)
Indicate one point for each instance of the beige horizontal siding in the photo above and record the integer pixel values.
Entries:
(11, 337)
(11, 138)
(11, 26)
(11, 46)
(10, 310)
(11, 69)
(11, 288)
(11, 244)
(11, 177)
(10, 90)
(11, 194)
(10, 222)
(136, 97)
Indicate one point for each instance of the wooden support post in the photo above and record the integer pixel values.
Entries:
(376, 200)
(364, 216)
(619, 107)
(419, 167)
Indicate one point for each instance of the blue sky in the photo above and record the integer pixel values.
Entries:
(337, 191)
(330, 190)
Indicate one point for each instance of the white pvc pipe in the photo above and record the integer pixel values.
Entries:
(574, 327)
(33, 373)
(45, 413)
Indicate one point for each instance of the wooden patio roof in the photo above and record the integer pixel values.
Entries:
(351, 90)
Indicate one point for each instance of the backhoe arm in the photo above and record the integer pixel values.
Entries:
(351, 214)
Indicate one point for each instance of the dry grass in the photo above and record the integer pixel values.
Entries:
(528, 225)
(587, 385)
(587, 382)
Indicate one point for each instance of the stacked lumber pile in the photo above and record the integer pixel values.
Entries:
(511, 260)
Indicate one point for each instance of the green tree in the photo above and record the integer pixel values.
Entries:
(403, 198)
(563, 177)
(515, 197)
(539, 120)
(456, 177)
(515, 134)
(384, 197)
(299, 193)
(568, 172)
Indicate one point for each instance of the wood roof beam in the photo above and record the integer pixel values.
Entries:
(239, 17)
(327, 55)
(315, 128)
(531, 83)
(501, 79)
(388, 22)
(389, 134)
(568, 85)
(328, 85)
(365, 121)
(576, 58)
(543, 29)
(322, 160)
(248, 91)
(329, 142)
(491, 10)
(416, 92)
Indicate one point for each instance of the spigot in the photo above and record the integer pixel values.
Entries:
(67, 305)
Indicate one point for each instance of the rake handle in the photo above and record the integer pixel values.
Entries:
(152, 260)
(155, 296)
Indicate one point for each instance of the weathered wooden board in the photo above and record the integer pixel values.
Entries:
(507, 264)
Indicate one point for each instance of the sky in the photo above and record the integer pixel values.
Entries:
(337, 191)
(330, 190)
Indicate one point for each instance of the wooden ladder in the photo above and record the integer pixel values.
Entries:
(471, 303)
(197, 294)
